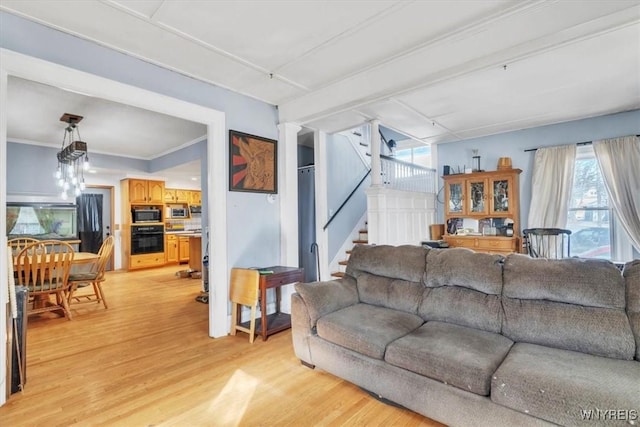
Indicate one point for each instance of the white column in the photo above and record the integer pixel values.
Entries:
(322, 204)
(376, 178)
(4, 282)
(288, 192)
(288, 199)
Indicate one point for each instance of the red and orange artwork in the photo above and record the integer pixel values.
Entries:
(253, 163)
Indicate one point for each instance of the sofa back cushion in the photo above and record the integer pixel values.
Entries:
(573, 304)
(390, 293)
(632, 282)
(389, 276)
(463, 287)
(396, 262)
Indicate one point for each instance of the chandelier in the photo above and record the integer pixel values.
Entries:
(72, 158)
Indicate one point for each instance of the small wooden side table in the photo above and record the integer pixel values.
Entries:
(277, 321)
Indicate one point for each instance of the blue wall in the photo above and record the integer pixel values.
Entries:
(344, 171)
(251, 242)
(513, 144)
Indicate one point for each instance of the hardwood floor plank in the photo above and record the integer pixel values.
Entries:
(147, 360)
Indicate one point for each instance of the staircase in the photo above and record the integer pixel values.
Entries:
(363, 238)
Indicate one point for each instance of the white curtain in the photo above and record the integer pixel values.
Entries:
(619, 160)
(551, 186)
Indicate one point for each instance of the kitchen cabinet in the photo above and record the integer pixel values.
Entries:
(171, 248)
(142, 191)
(140, 194)
(490, 198)
(176, 195)
(183, 249)
(146, 261)
(195, 197)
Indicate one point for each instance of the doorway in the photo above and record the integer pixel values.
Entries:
(19, 65)
(95, 218)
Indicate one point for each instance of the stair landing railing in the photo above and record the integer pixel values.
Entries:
(407, 176)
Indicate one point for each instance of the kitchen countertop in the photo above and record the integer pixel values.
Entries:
(185, 233)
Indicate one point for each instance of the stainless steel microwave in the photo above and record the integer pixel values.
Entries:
(146, 215)
(179, 213)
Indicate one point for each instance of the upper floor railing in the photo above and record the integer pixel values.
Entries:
(406, 176)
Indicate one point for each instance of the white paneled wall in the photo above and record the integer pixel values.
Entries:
(399, 217)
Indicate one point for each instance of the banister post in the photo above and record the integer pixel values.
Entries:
(376, 178)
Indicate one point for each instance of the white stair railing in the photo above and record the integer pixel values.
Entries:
(405, 176)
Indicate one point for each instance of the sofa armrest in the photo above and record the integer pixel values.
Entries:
(322, 298)
(300, 329)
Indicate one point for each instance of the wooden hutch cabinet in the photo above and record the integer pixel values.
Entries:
(492, 199)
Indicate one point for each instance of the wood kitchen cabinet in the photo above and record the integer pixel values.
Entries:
(176, 249)
(488, 197)
(176, 195)
(183, 249)
(195, 197)
(142, 191)
(171, 249)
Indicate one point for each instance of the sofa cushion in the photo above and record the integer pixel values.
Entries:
(573, 304)
(587, 282)
(463, 287)
(632, 282)
(463, 357)
(557, 385)
(464, 268)
(391, 293)
(598, 331)
(398, 262)
(365, 328)
(463, 307)
(325, 297)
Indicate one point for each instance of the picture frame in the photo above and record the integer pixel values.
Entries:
(253, 163)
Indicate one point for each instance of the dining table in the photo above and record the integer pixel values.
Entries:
(79, 259)
(82, 262)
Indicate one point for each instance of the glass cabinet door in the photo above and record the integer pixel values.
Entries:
(455, 198)
(501, 193)
(477, 197)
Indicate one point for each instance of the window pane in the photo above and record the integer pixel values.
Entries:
(589, 215)
(588, 186)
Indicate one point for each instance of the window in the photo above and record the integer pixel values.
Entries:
(420, 156)
(591, 219)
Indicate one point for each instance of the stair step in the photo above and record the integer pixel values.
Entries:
(337, 274)
(364, 144)
(349, 252)
(343, 262)
(358, 241)
(363, 231)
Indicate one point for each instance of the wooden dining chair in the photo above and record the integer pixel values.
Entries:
(94, 277)
(43, 267)
(244, 290)
(19, 243)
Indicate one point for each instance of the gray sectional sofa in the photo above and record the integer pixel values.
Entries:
(474, 339)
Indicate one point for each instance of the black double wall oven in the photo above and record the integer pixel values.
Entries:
(147, 239)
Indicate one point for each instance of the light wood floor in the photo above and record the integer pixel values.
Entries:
(147, 361)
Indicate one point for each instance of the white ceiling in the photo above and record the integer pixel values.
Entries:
(437, 71)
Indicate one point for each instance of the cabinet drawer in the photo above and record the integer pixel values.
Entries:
(147, 260)
(280, 279)
(461, 242)
(497, 244)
